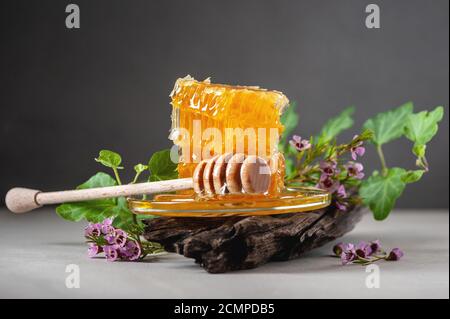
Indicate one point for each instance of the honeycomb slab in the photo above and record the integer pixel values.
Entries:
(210, 119)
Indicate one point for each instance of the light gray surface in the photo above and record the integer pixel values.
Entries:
(36, 247)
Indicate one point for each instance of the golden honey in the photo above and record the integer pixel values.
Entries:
(203, 116)
(209, 119)
(289, 200)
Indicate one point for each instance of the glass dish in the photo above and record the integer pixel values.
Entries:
(291, 200)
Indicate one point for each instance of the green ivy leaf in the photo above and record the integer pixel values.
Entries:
(95, 210)
(98, 180)
(389, 125)
(334, 126)
(109, 159)
(413, 176)
(161, 166)
(289, 119)
(422, 127)
(123, 217)
(139, 168)
(380, 192)
(419, 150)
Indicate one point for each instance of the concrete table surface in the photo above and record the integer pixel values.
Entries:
(36, 248)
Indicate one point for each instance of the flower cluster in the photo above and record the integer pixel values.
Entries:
(113, 242)
(332, 180)
(365, 253)
(332, 175)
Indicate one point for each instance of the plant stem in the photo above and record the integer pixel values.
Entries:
(135, 178)
(424, 163)
(116, 173)
(374, 259)
(382, 159)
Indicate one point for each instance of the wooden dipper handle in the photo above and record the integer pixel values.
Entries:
(252, 176)
(22, 200)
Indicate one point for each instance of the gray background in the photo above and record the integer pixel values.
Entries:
(65, 94)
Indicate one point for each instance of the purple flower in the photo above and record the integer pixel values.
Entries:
(110, 238)
(93, 250)
(363, 249)
(338, 249)
(92, 230)
(107, 227)
(117, 237)
(342, 206)
(341, 192)
(131, 251)
(299, 144)
(327, 183)
(349, 254)
(355, 170)
(375, 246)
(357, 149)
(111, 252)
(395, 254)
(328, 167)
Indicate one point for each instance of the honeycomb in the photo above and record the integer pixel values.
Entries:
(210, 119)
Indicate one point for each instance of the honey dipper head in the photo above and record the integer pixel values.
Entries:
(255, 175)
(230, 173)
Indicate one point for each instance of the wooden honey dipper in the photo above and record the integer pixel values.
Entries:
(221, 174)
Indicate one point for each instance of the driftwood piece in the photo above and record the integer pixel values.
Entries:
(234, 243)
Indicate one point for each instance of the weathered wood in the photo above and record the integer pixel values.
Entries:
(227, 244)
